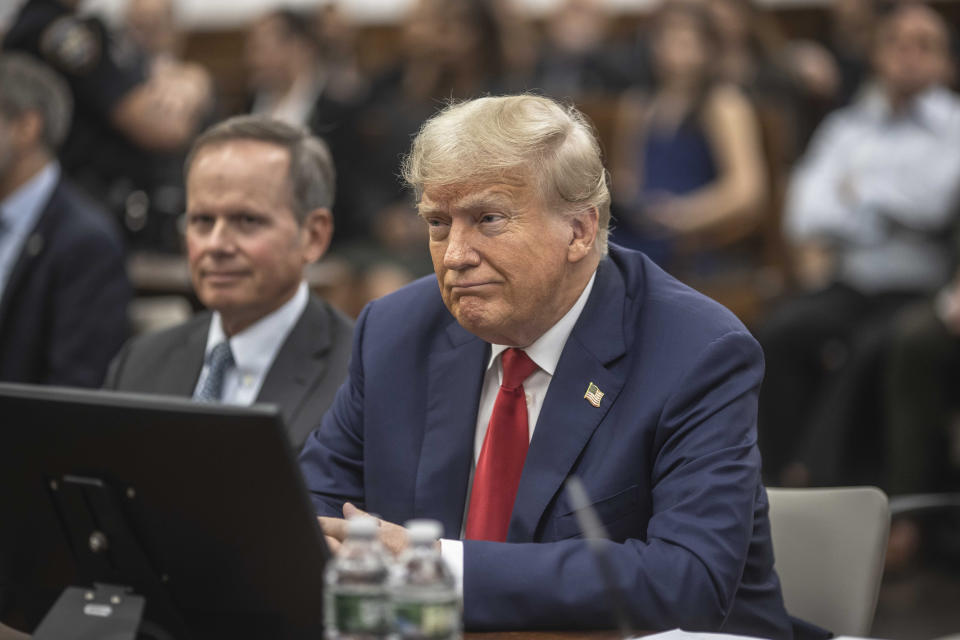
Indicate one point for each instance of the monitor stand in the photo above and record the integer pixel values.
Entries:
(105, 611)
(110, 557)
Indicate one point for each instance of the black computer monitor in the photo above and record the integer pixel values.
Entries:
(198, 507)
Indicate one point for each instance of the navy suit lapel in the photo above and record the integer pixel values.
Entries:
(455, 378)
(299, 361)
(31, 251)
(567, 420)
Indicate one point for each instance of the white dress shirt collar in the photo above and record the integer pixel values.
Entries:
(255, 348)
(29, 199)
(296, 105)
(936, 108)
(545, 351)
(933, 109)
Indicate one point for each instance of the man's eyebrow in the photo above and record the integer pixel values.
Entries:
(470, 202)
(483, 199)
(428, 210)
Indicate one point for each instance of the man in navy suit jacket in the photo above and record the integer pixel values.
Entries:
(63, 283)
(644, 389)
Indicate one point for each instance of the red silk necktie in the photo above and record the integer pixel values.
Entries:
(501, 457)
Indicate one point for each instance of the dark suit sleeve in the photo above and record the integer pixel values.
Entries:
(90, 311)
(687, 568)
(332, 458)
(115, 370)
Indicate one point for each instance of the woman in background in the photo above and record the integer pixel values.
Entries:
(689, 168)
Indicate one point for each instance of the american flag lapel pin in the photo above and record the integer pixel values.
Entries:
(593, 395)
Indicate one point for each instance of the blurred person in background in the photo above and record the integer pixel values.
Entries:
(689, 169)
(63, 287)
(293, 78)
(793, 83)
(919, 395)
(576, 58)
(868, 214)
(127, 110)
(337, 39)
(450, 49)
(921, 410)
(519, 42)
(814, 91)
(153, 204)
(153, 27)
(284, 67)
(850, 40)
(749, 45)
(259, 199)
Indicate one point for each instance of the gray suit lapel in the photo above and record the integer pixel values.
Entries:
(299, 363)
(186, 360)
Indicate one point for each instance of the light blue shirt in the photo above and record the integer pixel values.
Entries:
(19, 214)
(882, 188)
(254, 349)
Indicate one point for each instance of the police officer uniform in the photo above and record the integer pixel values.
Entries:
(100, 71)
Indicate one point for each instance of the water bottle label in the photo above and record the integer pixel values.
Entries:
(426, 620)
(360, 613)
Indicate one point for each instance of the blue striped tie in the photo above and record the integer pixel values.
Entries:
(221, 359)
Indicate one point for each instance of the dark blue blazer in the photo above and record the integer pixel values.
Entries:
(63, 313)
(669, 458)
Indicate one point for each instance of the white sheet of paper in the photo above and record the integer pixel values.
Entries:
(680, 634)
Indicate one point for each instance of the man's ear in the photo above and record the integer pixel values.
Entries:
(584, 225)
(317, 231)
(28, 129)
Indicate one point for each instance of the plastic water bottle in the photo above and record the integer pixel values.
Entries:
(423, 592)
(355, 604)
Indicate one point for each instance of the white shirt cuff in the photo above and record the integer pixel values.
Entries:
(452, 553)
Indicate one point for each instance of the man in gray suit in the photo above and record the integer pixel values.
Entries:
(259, 194)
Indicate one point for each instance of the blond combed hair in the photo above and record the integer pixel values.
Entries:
(515, 139)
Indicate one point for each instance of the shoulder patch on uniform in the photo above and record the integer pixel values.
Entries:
(71, 44)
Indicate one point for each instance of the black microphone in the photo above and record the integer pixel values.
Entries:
(595, 534)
